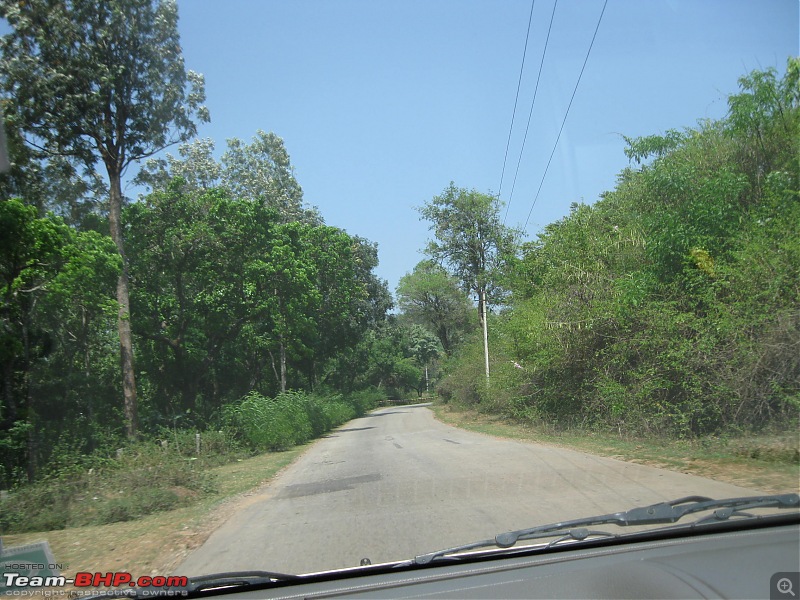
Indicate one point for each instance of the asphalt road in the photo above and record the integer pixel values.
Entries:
(398, 483)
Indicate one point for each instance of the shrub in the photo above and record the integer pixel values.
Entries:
(366, 400)
(139, 503)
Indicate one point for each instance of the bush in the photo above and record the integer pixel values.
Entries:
(136, 504)
(366, 400)
(293, 417)
(144, 479)
(339, 412)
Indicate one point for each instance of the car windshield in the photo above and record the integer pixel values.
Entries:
(301, 286)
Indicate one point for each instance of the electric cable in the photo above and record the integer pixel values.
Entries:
(516, 99)
(530, 113)
(585, 60)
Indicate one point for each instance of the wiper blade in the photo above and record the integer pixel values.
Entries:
(205, 583)
(236, 579)
(655, 514)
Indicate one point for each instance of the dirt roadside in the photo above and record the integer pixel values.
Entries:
(766, 464)
(155, 544)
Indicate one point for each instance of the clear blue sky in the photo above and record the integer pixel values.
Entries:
(381, 103)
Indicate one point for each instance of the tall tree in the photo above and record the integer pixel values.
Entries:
(102, 82)
(431, 297)
(257, 172)
(473, 242)
(262, 171)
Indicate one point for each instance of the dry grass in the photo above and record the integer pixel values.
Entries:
(156, 544)
(766, 463)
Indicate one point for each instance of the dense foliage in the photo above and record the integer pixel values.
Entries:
(231, 301)
(672, 305)
(220, 285)
(90, 84)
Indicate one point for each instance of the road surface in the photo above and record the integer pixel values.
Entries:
(397, 483)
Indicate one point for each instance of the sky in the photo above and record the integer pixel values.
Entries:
(382, 103)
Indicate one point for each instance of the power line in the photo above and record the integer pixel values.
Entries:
(577, 83)
(516, 98)
(530, 113)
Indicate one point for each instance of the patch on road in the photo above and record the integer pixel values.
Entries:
(325, 487)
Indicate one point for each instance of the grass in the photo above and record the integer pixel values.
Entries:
(157, 543)
(766, 463)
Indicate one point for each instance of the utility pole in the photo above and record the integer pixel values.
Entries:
(485, 332)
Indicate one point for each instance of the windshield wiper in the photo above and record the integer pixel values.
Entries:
(205, 583)
(655, 514)
(236, 579)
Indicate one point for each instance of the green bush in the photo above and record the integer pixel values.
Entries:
(366, 400)
(292, 418)
(145, 478)
(339, 412)
(42, 506)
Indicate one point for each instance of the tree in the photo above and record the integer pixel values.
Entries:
(262, 171)
(430, 296)
(257, 172)
(56, 290)
(473, 242)
(102, 82)
(50, 183)
(195, 165)
(191, 254)
(424, 347)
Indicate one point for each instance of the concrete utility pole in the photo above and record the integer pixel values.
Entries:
(485, 333)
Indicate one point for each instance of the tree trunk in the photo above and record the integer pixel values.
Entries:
(31, 466)
(124, 316)
(283, 366)
(8, 393)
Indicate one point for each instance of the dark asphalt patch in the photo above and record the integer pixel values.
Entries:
(327, 486)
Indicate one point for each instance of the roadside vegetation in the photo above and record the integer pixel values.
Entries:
(768, 462)
(174, 470)
(217, 303)
(158, 543)
(669, 309)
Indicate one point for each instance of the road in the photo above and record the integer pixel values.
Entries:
(397, 483)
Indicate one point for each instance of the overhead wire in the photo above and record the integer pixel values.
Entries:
(516, 98)
(577, 83)
(530, 113)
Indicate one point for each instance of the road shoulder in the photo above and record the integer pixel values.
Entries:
(767, 464)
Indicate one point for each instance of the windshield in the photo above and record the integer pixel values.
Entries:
(300, 286)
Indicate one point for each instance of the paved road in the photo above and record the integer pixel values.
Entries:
(398, 483)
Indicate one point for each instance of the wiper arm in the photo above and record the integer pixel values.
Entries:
(236, 579)
(655, 514)
(204, 583)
